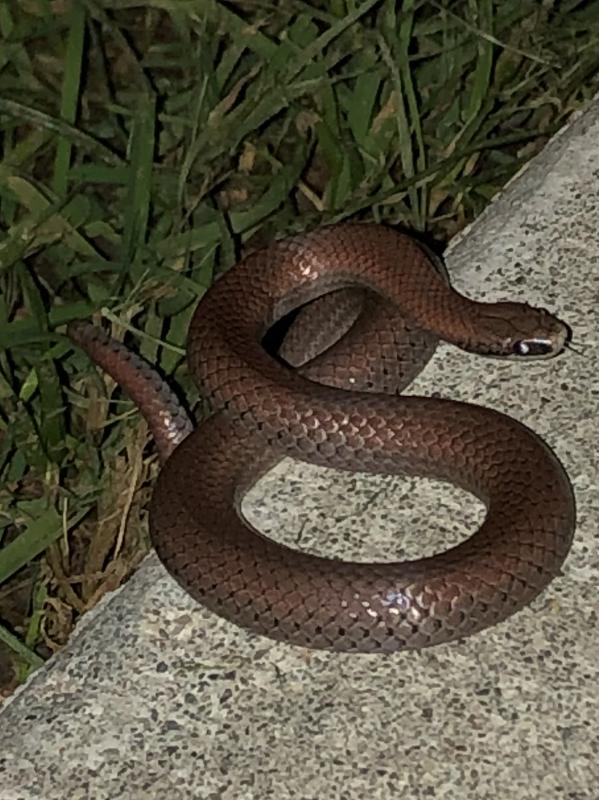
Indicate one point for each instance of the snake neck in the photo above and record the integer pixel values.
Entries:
(444, 312)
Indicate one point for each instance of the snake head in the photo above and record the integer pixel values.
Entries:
(519, 331)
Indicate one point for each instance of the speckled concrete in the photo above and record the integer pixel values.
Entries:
(156, 698)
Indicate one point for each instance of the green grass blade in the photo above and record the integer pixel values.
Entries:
(70, 94)
(39, 533)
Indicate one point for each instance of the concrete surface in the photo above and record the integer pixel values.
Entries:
(156, 698)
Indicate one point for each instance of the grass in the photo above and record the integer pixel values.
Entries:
(147, 145)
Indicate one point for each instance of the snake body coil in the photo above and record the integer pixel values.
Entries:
(339, 406)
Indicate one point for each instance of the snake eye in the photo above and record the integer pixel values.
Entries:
(532, 347)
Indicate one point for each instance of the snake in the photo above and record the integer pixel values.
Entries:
(359, 308)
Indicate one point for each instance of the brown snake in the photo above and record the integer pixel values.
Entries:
(266, 410)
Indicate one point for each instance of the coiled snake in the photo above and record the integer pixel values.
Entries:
(328, 402)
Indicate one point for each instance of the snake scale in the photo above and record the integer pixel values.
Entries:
(331, 396)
